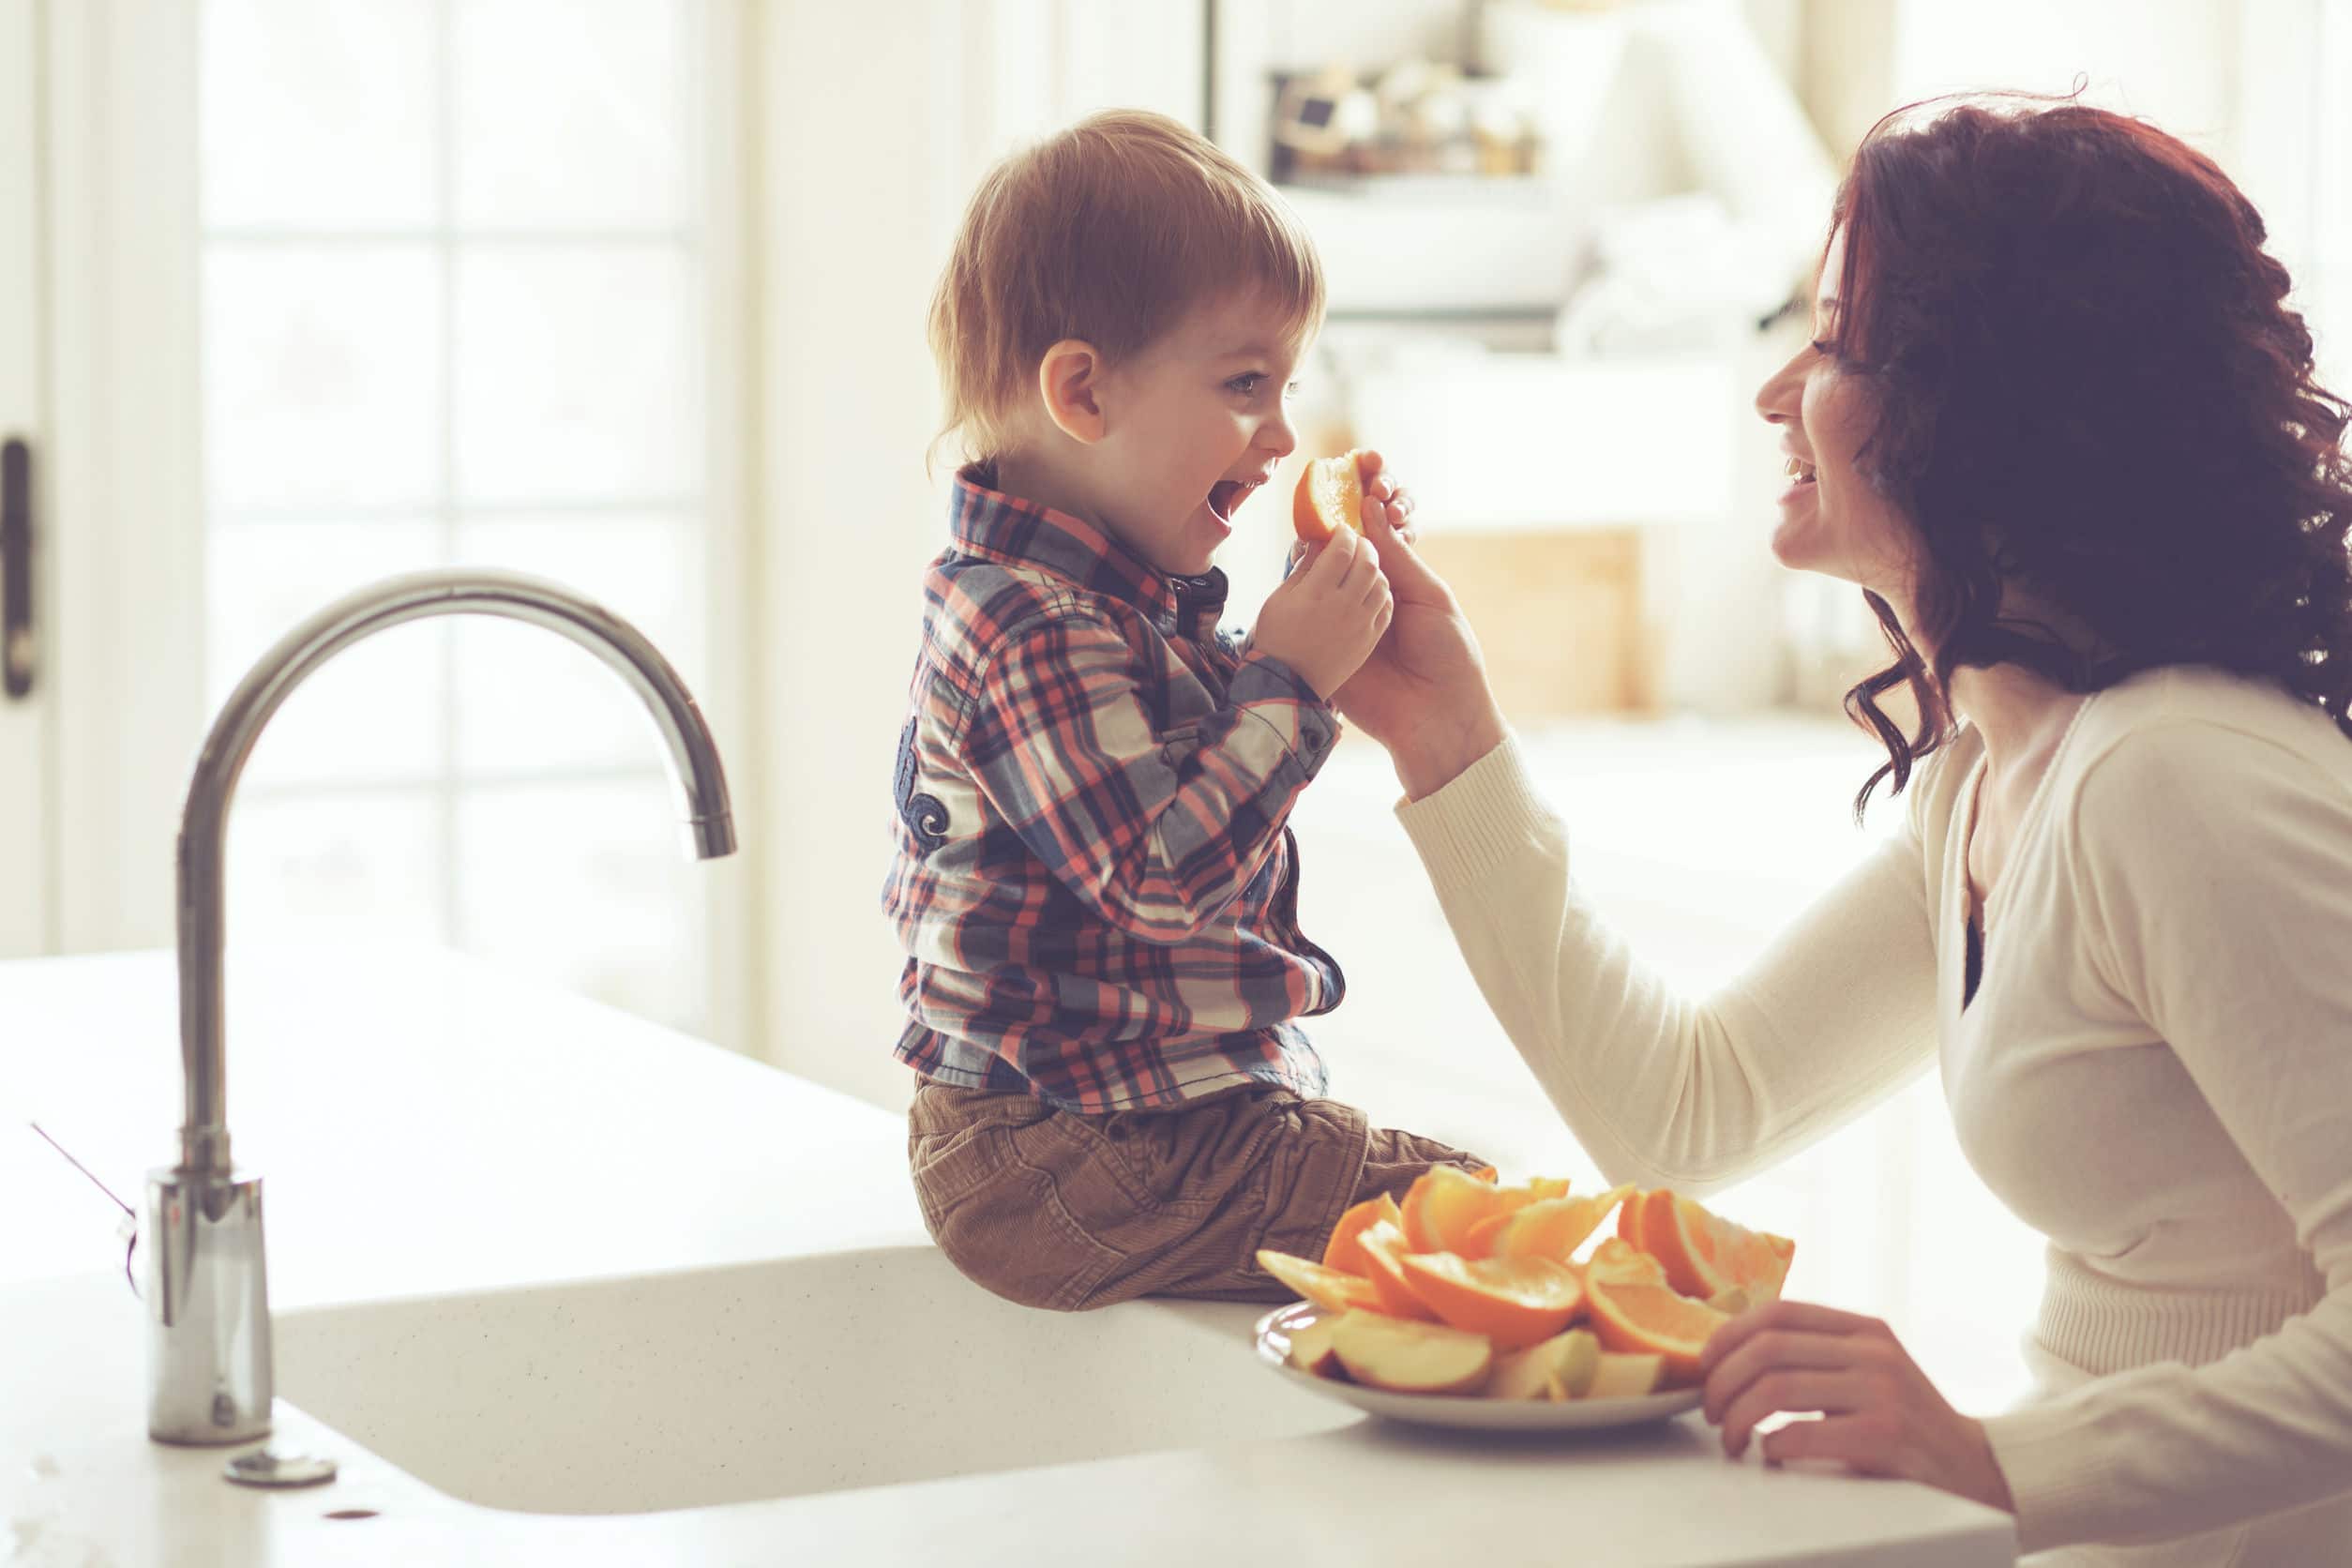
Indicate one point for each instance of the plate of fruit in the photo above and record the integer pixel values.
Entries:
(1467, 1304)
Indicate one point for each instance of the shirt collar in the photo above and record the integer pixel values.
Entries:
(988, 524)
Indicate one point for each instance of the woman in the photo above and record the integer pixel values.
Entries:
(2058, 424)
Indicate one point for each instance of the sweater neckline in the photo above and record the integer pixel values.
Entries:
(1972, 791)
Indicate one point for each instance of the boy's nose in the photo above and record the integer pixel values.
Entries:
(1279, 438)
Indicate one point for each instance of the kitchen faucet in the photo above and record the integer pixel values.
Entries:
(209, 1372)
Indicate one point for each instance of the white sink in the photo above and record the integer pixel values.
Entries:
(769, 1380)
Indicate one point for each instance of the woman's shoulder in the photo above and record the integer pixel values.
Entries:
(2195, 739)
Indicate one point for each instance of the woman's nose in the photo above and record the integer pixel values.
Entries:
(1779, 399)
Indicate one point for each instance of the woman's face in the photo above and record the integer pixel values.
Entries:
(1830, 521)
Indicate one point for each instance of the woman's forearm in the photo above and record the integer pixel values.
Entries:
(1441, 749)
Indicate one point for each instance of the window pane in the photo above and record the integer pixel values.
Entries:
(576, 374)
(570, 113)
(323, 376)
(318, 113)
(590, 886)
(528, 699)
(373, 711)
(334, 867)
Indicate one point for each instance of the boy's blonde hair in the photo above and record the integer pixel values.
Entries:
(1109, 231)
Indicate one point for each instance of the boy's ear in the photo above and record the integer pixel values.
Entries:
(1070, 380)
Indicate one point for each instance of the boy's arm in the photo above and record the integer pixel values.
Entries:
(1156, 837)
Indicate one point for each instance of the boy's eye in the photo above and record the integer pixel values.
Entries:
(1248, 382)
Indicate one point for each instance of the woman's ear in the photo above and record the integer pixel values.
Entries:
(1070, 380)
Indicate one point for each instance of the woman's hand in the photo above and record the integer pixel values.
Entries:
(1423, 692)
(1879, 1413)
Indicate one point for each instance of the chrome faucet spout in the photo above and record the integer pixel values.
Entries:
(209, 1361)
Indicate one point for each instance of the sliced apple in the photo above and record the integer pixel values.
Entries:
(1574, 1365)
(1312, 1349)
(1625, 1377)
(1380, 1351)
(1560, 1368)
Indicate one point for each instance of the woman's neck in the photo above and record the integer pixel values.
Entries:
(2020, 712)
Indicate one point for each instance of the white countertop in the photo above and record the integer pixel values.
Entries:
(426, 1124)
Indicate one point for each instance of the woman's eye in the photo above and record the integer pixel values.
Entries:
(1825, 348)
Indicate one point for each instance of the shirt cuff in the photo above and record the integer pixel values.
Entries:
(2059, 1481)
(1279, 697)
(1485, 819)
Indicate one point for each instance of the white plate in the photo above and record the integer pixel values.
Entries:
(1453, 1410)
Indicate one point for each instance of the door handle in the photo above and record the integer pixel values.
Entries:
(16, 570)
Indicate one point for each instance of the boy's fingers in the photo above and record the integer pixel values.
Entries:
(1333, 556)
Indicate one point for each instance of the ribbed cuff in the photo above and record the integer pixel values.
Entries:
(2061, 1485)
(1489, 815)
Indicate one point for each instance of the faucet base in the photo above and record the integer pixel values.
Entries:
(207, 1293)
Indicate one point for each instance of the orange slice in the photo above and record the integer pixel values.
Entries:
(1479, 1240)
(1705, 1254)
(1341, 1252)
(1620, 1260)
(1515, 1302)
(1442, 1206)
(1328, 1289)
(1552, 1227)
(1629, 1218)
(1651, 1320)
(1383, 1244)
(1329, 497)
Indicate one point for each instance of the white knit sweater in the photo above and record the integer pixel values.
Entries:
(2156, 1072)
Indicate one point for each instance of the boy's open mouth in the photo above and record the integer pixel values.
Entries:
(1226, 497)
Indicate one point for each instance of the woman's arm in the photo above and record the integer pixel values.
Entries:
(1661, 1088)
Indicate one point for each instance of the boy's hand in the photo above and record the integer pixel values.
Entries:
(1328, 613)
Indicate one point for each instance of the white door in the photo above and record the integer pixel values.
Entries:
(27, 847)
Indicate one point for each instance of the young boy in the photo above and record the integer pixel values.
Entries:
(1095, 882)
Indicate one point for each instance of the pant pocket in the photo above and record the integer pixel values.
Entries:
(1002, 1222)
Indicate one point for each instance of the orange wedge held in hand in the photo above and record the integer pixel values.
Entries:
(1515, 1302)
(1329, 497)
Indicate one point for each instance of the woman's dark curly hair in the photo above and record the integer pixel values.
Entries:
(2088, 385)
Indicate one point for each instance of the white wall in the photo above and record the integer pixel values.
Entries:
(871, 131)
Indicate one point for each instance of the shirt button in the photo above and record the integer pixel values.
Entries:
(1314, 735)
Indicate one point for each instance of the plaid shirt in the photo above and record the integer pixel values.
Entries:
(1095, 884)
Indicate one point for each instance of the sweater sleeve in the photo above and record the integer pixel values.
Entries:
(2215, 874)
(1659, 1089)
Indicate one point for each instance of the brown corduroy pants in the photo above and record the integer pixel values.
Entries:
(1054, 1209)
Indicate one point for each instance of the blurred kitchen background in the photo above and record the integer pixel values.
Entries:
(297, 294)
